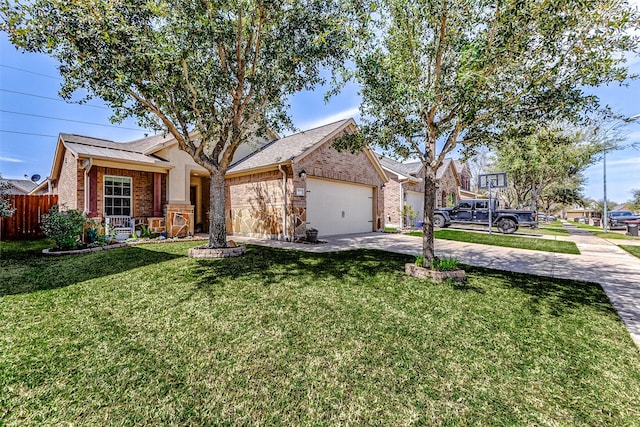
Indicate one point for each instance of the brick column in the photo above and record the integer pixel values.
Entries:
(93, 192)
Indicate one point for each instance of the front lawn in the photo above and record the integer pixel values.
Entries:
(611, 235)
(147, 336)
(633, 250)
(507, 240)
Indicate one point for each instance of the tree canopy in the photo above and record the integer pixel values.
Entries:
(438, 73)
(546, 162)
(213, 74)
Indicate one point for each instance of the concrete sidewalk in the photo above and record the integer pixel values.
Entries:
(600, 261)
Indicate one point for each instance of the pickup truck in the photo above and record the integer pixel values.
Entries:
(476, 211)
(618, 219)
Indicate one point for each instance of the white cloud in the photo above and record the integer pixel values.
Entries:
(346, 114)
(11, 160)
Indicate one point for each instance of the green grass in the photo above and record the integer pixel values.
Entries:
(633, 250)
(554, 228)
(507, 240)
(146, 335)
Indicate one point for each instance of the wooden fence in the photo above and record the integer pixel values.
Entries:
(25, 222)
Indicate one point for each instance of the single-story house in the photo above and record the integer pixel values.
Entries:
(276, 188)
(406, 188)
(17, 186)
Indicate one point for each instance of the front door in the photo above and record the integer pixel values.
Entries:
(193, 199)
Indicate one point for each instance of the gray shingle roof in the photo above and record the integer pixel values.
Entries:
(287, 148)
(18, 186)
(412, 169)
(126, 151)
(404, 169)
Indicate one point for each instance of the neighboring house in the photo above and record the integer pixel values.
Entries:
(17, 186)
(275, 188)
(406, 188)
(575, 212)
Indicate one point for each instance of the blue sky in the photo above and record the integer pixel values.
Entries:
(29, 124)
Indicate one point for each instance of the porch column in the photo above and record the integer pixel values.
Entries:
(93, 192)
(157, 194)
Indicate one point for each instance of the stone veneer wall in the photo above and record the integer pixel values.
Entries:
(176, 227)
(157, 224)
(255, 203)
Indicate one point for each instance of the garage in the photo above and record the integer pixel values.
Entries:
(416, 201)
(339, 208)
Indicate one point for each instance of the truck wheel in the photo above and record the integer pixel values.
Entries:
(507, 226)
(438, 221)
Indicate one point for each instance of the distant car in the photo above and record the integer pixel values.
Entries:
(618, 219)
(583, 219)
(544, 217)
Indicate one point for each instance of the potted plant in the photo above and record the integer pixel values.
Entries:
(440, 269)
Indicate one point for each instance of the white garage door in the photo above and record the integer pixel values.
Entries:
(339, 208)
(416, 201)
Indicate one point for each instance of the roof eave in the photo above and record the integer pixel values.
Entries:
(257, 169)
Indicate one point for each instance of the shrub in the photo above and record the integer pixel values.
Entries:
(63, 227)
(445, 264)
(5, 207)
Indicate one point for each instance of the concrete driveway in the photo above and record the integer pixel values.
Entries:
(600, 261)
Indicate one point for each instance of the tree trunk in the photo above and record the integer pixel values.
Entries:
(217, 218)
(428, 246)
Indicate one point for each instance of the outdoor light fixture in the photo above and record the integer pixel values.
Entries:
(382, 186)
(302, 174)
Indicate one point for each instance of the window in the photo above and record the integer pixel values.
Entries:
(482, 204)
(117, 195)
(464, 205)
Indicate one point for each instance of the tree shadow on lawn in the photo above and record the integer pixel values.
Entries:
(30, 271)
(557, 295)
(270, 266)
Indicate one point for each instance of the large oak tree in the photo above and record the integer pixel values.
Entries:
(212, 73)
(435, 74)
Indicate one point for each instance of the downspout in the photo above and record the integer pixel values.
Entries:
(401, 205)
(284, 203)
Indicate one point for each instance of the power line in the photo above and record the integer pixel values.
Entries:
(29, 71)
(54, 99)
(70, 120)
(28, 133)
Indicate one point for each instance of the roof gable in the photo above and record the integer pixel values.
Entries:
(292, 147)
